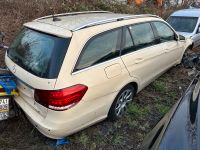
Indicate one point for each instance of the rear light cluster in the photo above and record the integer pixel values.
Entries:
(61, 99)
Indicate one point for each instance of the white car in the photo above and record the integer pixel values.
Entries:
(187, 23)
(76, 69)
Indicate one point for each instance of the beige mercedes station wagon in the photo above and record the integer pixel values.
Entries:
(76, 69)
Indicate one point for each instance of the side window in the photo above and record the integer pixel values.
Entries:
(128, 42)
(165, 33)
(99, 49)
(143, 35)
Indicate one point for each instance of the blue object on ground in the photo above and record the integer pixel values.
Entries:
(56, 143)
(7, 83)
(62, 142)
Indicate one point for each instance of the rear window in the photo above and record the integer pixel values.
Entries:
(39, 53)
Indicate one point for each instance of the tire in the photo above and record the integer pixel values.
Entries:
(186, 59)
(121, 102)
(188, 53)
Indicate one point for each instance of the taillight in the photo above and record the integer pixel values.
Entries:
(61, 99)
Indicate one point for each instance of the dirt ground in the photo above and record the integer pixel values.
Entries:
(147, 109)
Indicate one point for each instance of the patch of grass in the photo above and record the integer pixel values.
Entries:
(173, 94)
(162, 108)
(137, 110)
(131, 123)
(98, 138)
(84, 139)
(159, 86)
(157, 99)
(118, 139)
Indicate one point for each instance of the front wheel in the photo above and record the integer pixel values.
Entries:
(187, 54)
(121, 102)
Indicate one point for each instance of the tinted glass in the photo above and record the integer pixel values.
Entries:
(99, 49)
(183, 24)
(143, 35)
(165, 33)
(38, 53)
(128, 42)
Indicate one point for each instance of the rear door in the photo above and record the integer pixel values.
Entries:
(141, 53)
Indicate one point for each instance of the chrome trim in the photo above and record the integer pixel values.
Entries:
(96, 65)
(114, 20)
(72, 13)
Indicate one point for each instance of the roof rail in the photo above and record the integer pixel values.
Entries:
(69, 14)
(114, 20)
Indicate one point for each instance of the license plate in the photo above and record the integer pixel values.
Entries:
(4, 108)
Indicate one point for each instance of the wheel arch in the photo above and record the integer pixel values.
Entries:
(190, 46)
(135, 85)
(132, 84)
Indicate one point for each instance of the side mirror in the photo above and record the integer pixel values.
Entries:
(176, 37)
(198, 30)
(182, 38)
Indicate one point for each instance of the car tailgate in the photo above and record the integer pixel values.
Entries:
(27, 83)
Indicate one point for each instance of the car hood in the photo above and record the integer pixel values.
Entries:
(186, 34)
(180, 128)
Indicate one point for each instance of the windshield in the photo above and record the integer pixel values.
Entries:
(39, 53)
(183, 24)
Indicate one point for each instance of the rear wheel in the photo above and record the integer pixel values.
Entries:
(121, 102)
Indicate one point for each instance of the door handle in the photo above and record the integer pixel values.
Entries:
(139, 60)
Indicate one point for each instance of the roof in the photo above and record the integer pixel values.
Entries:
(79, 20)
(187, 13)
(65, 24)
(73, 22)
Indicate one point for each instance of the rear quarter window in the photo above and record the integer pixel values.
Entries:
(99, 49)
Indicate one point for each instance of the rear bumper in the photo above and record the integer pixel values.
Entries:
(59, 124)
(44, 126)
(34, 116)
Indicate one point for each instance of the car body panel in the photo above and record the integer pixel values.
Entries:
(179, 128)
(48, 28)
